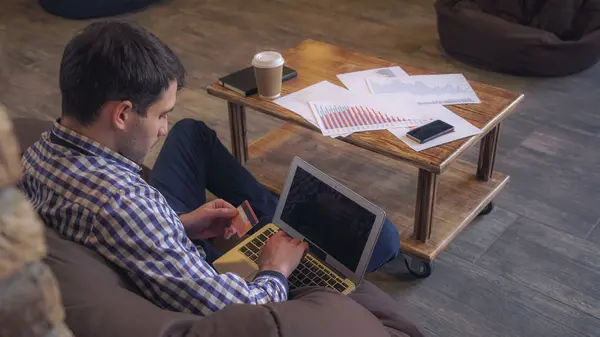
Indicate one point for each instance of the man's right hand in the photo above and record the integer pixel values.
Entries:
(281, 253)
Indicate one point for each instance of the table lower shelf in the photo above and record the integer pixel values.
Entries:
(390, 184)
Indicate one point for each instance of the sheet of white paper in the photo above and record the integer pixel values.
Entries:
(462, 128)
(427, 89)
(298, 101)
(355, 81)
(395, 105)
(336, 118)
(366, 113)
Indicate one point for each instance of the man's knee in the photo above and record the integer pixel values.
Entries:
(188, 124)
(192, 127)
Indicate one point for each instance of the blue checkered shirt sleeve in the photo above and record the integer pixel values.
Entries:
(137, 231)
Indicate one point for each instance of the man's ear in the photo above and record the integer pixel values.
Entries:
(122, 115)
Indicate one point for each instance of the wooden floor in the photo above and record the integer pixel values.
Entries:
(531, 268)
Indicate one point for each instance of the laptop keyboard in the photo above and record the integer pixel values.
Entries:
(309, 272)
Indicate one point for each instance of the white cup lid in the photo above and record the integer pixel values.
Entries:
(267, 59)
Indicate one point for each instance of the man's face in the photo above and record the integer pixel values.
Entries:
(146, 131)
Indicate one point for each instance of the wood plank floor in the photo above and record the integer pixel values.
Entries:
(531, 268)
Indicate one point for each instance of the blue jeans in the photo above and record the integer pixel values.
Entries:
(194, 159)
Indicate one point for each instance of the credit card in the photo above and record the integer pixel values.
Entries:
(245, 220)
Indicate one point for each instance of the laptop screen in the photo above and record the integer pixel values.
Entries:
(327, 218)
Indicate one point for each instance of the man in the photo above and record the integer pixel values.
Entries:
(118, 84)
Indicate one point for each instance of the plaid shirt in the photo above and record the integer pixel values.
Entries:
(96, 197)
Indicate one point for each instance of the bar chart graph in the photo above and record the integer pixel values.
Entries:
(341, 119)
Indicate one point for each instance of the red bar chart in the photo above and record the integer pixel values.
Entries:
(336, 119)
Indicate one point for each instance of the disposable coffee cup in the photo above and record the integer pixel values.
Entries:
(268, 70)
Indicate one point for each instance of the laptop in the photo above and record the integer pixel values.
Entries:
(340, 226)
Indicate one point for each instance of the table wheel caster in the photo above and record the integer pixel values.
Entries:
(418, 268)
(488, 209)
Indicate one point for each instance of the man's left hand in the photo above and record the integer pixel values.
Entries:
(210, 220)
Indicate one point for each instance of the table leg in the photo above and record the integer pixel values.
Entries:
(487, 154)
(237, 125)
(426, 189)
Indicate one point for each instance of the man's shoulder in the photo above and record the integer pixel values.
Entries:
(76, 175)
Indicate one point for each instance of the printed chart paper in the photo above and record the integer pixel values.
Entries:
(427, 89)
(340, 117)
(356, 81)
(298, 101)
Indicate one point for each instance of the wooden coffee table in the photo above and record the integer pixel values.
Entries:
(430, 196)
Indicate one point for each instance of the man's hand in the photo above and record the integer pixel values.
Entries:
(281, 253)
(210, 220)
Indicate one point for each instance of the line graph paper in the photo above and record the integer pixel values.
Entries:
(427, 89)
(339, 119)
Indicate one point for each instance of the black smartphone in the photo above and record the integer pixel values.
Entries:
(288, 73)
(430, 131)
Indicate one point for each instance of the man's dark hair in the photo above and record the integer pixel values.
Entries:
(115, 61)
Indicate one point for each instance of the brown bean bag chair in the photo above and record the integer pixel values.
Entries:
(522, 37)
(100, 302)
